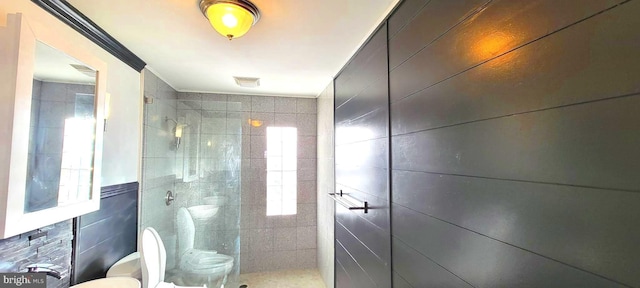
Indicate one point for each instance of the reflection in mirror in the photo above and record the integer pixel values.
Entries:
(191, 145)
(62, 131)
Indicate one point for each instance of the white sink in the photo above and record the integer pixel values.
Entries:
(120, 282)
(215, 200)
(203, 212)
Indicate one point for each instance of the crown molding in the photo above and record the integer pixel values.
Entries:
(68, 14)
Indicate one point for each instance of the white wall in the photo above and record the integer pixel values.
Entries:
(122, 140)
(326, 184)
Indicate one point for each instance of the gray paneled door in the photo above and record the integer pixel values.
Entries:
(515, 143)
(514, 147)
(363, 244)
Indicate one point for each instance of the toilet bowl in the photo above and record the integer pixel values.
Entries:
(198, 266)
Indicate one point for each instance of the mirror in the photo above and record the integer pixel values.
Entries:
(51, 127)
(62, 131)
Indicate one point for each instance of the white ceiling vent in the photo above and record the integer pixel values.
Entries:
(247, 81)
(84, 70)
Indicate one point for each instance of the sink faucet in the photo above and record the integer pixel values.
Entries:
(50, 269)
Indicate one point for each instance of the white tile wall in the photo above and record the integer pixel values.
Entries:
(325, 178)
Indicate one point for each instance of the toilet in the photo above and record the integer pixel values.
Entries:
(128, 266)
(198, 266)
(149, 264)
(194, 266)
(153, 260)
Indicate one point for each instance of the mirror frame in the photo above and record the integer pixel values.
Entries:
(17, 50)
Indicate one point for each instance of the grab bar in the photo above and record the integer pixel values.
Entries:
(341, 198)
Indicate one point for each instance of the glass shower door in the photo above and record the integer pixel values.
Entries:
(207, 184)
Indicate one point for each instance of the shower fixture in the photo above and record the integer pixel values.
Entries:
(177, 131)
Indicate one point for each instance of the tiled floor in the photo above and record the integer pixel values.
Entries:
(283, 279)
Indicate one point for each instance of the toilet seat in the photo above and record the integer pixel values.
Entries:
(128, 266)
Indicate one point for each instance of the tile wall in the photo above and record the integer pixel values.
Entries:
(52, 104)
(278, 242)
(55, 248)
(326, 185)
(158, 161)
(266, 242)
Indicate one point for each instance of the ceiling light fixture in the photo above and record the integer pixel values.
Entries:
(231, 18)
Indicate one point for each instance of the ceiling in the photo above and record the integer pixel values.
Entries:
(296, 48)
(55, 66)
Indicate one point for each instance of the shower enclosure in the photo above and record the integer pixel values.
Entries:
(192, 184)
(234, 174)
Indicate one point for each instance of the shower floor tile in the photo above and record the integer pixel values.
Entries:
(283, 279)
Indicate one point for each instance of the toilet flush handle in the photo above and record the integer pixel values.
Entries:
(169, 198)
